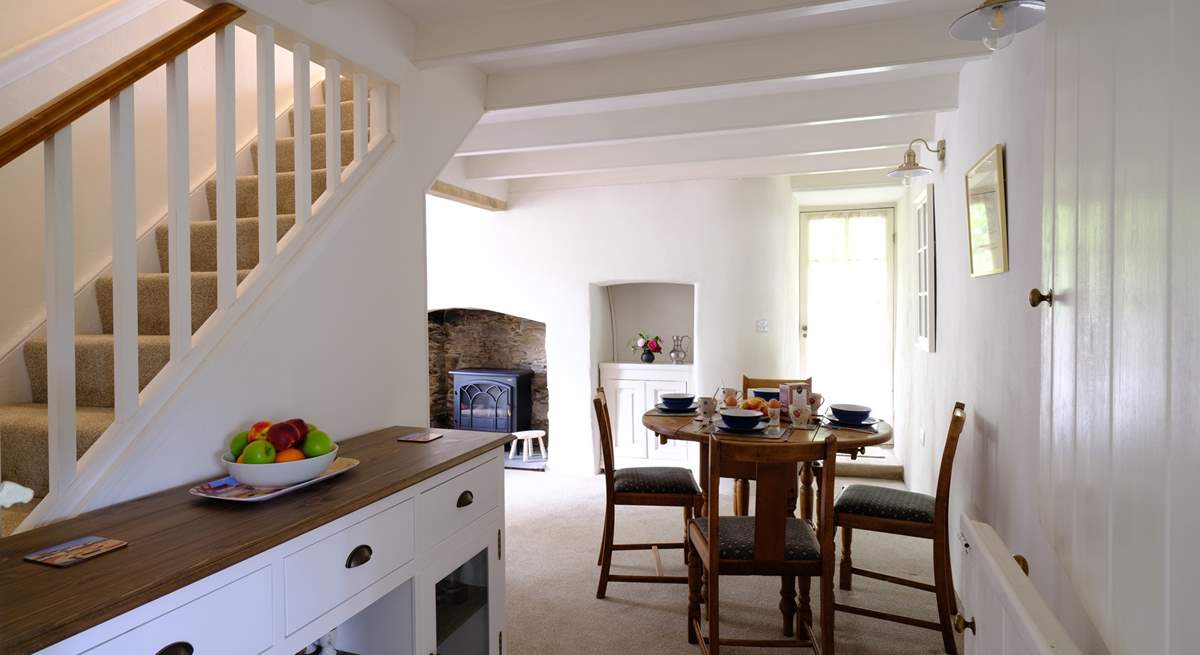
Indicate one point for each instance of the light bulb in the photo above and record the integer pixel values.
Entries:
(1000, 33)
(906, 180)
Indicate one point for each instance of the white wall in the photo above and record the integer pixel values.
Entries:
(988, 338)
(665, 310)
(26, 21)
(733, 239)
(21, 183)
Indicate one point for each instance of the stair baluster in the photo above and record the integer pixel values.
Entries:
(333, 125)
(178, 216)
(302, 131)
(267, 236)
(124, 262)
(360, 117)
(226, 209)
(60, 309)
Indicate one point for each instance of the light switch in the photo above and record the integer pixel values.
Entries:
(760, 326)
(922, 436)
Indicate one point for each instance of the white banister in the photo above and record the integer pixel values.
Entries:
(179, 251)
(226, 209)
(266, 145)
(60, 309)
(124, 261)
(333, 124)
(302, 131)
(360, 116)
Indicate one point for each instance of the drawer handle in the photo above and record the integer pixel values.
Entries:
(465, 498)
(177, 648)
(359, 556)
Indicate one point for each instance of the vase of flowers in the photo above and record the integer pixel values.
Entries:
(649, 345)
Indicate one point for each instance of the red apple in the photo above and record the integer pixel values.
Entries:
(283, 436)
(300, 425)
(258, 431)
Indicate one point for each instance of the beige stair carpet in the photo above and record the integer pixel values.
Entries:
(24, 427)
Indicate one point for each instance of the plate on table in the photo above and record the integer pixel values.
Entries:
(686, 410)
(762, 425)
(870, 421)
(228, 488)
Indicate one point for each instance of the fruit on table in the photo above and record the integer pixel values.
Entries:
(259, 452)
(757, 404)
(317, 443)
(238, 444)
(773, 403)
(301, 426)
(283, 436)
(731, 400)
(289, 455)
(258, 430)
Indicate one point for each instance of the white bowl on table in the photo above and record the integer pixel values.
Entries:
(278, 474)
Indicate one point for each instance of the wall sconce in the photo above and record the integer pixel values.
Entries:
(910, 168)
(996, 22)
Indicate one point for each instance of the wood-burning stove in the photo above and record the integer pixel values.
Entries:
(492, 399)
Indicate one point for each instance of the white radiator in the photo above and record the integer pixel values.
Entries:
(1009, 616)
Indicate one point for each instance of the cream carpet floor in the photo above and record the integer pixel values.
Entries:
(554, 524)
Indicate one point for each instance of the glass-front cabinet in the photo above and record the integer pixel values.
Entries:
(462, 595)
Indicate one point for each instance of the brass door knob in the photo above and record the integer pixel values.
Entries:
(1036, 297)
(961, 624)
(1023, 563)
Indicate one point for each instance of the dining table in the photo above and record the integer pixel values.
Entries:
(851, 440)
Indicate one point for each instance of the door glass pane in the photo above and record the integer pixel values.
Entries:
(462, 609)
(848, 308)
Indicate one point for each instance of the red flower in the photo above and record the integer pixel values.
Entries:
(653, 346)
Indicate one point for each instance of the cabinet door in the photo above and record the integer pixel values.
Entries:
(627, 403)
(673, 452)
(462, 592)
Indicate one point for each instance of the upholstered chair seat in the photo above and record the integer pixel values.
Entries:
(655, 480)
(885, 503)
(737, 539)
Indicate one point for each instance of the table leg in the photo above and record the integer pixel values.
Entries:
(704, 478)
(806, 491)
(741, 497)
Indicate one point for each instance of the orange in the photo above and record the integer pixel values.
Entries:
(241, 458)
(289, 455)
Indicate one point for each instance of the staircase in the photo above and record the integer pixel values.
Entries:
(24, 428)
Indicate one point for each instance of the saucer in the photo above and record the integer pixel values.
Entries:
(762, 425)
(663, 408)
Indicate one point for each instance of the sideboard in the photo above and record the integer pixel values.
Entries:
(402, 555)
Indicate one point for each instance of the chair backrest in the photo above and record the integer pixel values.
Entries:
(775, 468)
(941, 507)
(604, 420)
(751, 383)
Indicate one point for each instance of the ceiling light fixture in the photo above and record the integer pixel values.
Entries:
(996, 22)
(910, 168)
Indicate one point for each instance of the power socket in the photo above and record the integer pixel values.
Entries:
(761, 326)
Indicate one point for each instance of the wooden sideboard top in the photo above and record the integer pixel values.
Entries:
(176, 539)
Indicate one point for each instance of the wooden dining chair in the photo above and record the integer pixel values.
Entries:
(658, 486)
(907, 513)
(741, 486)
(770, 543)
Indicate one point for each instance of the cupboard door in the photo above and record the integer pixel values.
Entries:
(627, 403)
(463, 592)
(674, 452)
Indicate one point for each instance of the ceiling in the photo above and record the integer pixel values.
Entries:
(584, 93)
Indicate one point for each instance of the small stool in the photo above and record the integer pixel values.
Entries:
(527, 437)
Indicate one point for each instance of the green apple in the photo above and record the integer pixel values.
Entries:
(317, 443)
(238, 444)
(259, 452)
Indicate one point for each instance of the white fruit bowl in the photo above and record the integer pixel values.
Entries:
(281, 474)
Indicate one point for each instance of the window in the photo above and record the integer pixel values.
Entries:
(926, 268)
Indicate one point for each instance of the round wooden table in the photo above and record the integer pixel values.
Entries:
(686, 428)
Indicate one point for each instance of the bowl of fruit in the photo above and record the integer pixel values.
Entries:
(279, 454)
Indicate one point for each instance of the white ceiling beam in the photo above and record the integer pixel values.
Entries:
(877, 160)
(597, 29)
(761, 63)
(845, 179)
(783, 142)
(730, 115)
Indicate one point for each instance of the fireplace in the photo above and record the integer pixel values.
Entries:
(492, 399)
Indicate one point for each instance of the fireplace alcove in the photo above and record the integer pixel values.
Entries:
(471, 339)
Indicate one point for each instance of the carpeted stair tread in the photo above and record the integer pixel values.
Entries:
(24, 430)
(204, 242)
(247, 193)
(347, 88)
(285, 151)
(154, 316)
(316, 120)
(94, 366)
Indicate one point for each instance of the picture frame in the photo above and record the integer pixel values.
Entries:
(925, 246)
(987, 214)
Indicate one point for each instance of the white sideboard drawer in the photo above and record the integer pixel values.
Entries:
(323, 575)
(233, 619)
(455, 503)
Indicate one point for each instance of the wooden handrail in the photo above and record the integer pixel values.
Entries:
(43, 122)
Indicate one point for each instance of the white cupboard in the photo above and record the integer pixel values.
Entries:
(632, 390)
